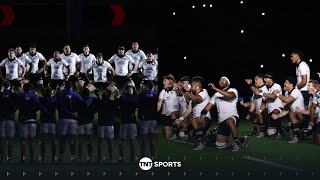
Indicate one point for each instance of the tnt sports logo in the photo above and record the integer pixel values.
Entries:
(146, 164)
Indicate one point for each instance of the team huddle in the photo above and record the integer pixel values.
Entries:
(186, 109)
(77, 87)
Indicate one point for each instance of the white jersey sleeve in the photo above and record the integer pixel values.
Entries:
(3, 62)
(111, 60)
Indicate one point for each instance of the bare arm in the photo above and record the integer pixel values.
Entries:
(271, 96)
(303, 82)
(159, 104)
(287, 99)
(229, 95)
(23, 70)
(193, 97)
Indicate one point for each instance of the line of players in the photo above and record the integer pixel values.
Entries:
(186, 105)
(32, 66)
(300, 103)
(76, 112)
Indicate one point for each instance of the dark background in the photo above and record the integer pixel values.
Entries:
(209, 37)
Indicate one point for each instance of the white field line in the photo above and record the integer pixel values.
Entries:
(271, 163)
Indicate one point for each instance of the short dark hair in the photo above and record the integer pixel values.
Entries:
(259, 75)
(314, 82)
(299, 53)
(291, 80)
(6, 84)
(269, 75)
(185, 78)
(150, 85)
(128, 88)
(33, 46)
(121, 47)
(27, 87)
(198, 79)
(11, 50)
(86, 92)
(48, 91)
(68, 85)
(99, 55)
(86, 45)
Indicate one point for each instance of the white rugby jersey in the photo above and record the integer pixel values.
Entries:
(72, 59)
(170, 102)
(26, 61)
(150, 70)
(197, 108)
(316, 100)
(138, 57)
(155, 57)
(57, 68)
(12, 68)
(121, 64)
(258, 98)
(276, 103)
(35, 61)
(86, 62)
(299, 101)
(226, 107)
(100, 71)
(303, 69)
(182, 104)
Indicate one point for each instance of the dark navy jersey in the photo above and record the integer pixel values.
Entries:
(7, 105)
(106, 112)
(128, 104)
(50, 105)
(88, 110)
(148, 105)
(28, 104)
(68, 102)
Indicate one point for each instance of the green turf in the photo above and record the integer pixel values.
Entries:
(303, 156)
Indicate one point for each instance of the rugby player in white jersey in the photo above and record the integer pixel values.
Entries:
(24, 59)
(313, 88)
(87, 60)
(200, 98)
(55, 68)
(36, 70)
(138, 56)
(74, 64)
(100, 70)
(274, 104)
(302, 73)
(11, 65)
(148, 68)
(225, 99)
(294, 99)
(121, 66)
(257, 107)
(168, 102)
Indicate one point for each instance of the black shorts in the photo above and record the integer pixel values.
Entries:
(54, 83)
(306, 97)
(136, 79)
(83, 77)
(167, 121)
(15, 83)
(35, 77)
(224, 129)
(121, 80)
(100, 84)
(316, 128)
(208, 123)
